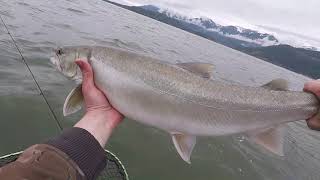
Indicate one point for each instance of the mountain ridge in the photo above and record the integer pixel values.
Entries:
(299, 60)
(210, 25)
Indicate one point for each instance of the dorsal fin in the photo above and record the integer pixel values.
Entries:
(202, 69)
(277, 85)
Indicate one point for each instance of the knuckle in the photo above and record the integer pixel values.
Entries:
(314, 124)
(308, 85)
(86, 73)
(87, 85)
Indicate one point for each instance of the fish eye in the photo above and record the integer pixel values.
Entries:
(59, 52)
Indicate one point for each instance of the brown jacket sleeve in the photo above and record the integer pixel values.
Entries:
(74, 155)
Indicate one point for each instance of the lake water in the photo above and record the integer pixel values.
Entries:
(147, 153)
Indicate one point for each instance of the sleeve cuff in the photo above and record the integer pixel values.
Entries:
(83, 149)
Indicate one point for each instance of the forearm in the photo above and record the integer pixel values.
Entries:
(74, 155)
(83, 148)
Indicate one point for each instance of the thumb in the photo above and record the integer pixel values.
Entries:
(87, 73)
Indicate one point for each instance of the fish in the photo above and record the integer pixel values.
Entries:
(184, 99)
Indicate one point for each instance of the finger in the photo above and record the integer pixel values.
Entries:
(314, 123)
(87, 73)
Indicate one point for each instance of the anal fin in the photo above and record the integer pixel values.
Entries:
(271, 139)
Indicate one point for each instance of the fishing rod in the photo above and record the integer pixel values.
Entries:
(32, 75)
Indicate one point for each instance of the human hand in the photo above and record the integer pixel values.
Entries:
(100, 118)
(313, 87)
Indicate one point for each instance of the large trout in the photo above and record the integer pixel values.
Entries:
(183, 100)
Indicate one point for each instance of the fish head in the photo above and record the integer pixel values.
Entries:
(64, 60)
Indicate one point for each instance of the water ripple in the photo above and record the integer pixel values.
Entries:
(76, 11)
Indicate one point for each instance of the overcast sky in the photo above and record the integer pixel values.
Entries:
(299, 17)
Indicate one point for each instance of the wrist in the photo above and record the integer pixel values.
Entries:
(100, 124)
(107, 119)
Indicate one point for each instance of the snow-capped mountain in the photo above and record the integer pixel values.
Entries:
(304, 60)
(235, 32)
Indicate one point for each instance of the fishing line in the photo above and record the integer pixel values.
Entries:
(32, 75)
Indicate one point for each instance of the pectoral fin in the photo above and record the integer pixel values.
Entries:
(271, 139)
(277, 85)
(202, 69)
(73, 102)
(184, 145)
